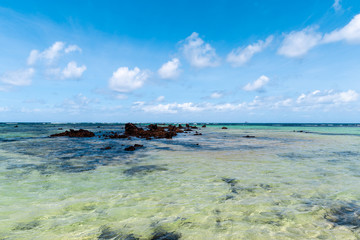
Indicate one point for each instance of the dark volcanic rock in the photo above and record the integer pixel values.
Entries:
(224, 128)
(74, 133)
(248, 136)
(143, 169)
(131, 148)
(106, 148)
(154, 131)
(204, 126)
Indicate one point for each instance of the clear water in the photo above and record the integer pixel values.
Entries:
(280, 185)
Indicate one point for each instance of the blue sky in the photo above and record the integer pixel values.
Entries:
(180, 61)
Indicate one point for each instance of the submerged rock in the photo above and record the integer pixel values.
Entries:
(27, 225)
(143, 169)
(108, 233)
(162, 235)
(106, 148)
(133, 148)
(346, 214)
(74, 133)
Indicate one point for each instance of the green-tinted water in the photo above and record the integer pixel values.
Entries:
(280, 185)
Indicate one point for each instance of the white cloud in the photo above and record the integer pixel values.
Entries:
(73, 71)
(316, 100)
(297, 44)
(258, 84)
(48, 55)
(170, 69)
(327, 97)
(4, 109)
(336, 5)
(160, 99)
(349, 33)
(240, 56)
(126, 80)
(199, 53)
(121, 96)
(171, 108)
(72, 48)
(216, 95)
(18, 78)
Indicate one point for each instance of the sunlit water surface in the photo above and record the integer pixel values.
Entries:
(282, 184)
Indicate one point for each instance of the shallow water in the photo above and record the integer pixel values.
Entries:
(282, 184)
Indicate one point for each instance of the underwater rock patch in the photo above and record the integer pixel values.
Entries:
(162, 235)
(108, 233)
(346, 214)
(144, 169)
(248, 136)
(27, 225)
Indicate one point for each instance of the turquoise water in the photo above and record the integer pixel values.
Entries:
(282, 184)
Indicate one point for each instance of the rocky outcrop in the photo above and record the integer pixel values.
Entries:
(133, 148)
(153, 131)
(248, 136)
(74, 133)
(224, 128)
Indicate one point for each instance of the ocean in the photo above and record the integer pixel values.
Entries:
(289, 181)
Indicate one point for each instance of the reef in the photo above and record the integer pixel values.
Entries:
(345, 214)
(74, 133)
(133, 148)
(143, 169)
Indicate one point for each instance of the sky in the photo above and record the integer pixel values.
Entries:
(180, 61)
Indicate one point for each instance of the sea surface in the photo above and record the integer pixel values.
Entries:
(292, 181)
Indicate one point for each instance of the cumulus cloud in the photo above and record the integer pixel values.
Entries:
(127, 80)
(73, 71)
(18, 78)
(297, 44)
(327, 97)
(199, 53)
(240, 56)
(258, 84)
(349, 33)
(72, 48)
(216, 95)
(172, 108)
(48, 55)
(316, 100)
(170, 69)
